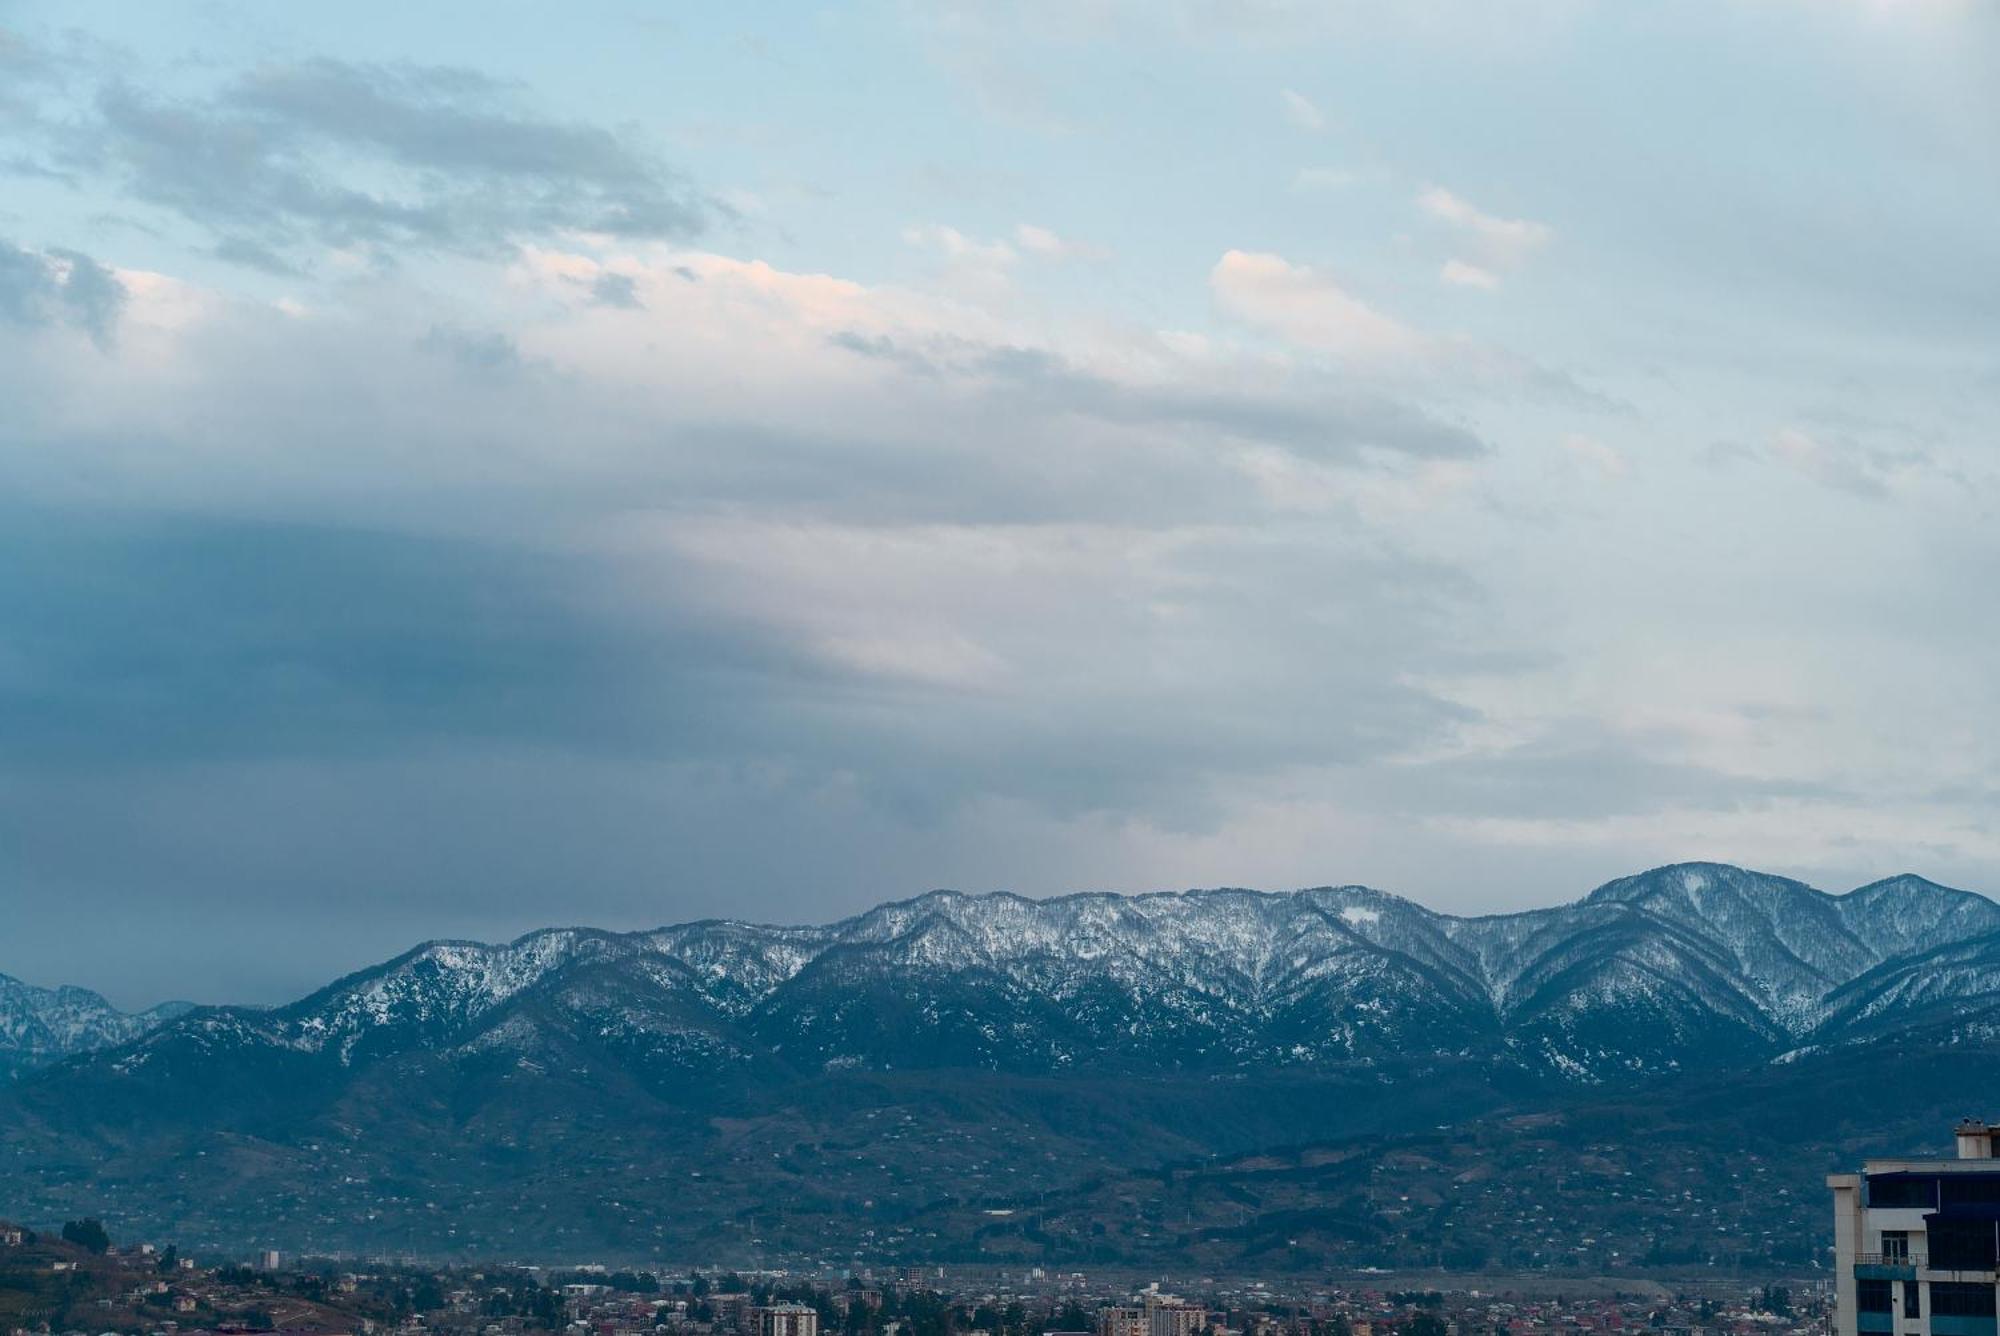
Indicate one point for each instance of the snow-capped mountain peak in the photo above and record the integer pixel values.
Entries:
(1674, 967)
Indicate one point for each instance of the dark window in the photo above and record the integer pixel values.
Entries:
(1903, 1191)
(1911, 1304)
(1961, 1245)
(1951, 1298)
(1895, 1245)
(1969, 1190)
(1872, 1296)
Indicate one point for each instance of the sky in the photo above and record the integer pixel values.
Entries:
(476, 466)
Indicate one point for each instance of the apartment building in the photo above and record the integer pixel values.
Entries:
(784, 1320)
(1121, 1322)
(1155, 1314)
(1917, 1242)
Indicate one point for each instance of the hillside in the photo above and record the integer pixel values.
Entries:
(886, 1084)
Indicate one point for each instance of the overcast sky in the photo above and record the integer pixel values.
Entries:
(472, 466)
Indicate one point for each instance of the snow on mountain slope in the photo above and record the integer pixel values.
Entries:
(1788, 943)
(43, 1025)
(1908, 914)
(1695, 964)
(1922, 990)
(740, 963)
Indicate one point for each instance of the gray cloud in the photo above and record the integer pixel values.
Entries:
(440, 602)
(1581, 771)
(254, 255)
(383, 736)
(1315, 417)
(338, 154)
(91, 293)
(62, 285)
(259, 663)
(619, 290)
(488, 352)
(155, 640)
(23, 70)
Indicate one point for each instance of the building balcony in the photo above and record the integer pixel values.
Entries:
(1944, 1324)
(1887, 1266)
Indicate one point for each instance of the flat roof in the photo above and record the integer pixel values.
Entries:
(1936, 1165)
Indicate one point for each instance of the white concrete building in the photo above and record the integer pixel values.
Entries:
(784, 1320)
(1917, 1242)
(1121, 1322)
(1170, 1316)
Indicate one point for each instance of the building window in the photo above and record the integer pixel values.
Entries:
(1912, 1306)
(1873, 1296)
(1956, 1298)
(1969, 1190)
(1962, 1245)
(1903, 1191)
(1895, 1245)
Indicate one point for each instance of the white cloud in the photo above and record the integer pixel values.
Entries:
(1501, 241)
(1305, 306)
(1040, 241)
(1300, 111)
(956, 246)
(1457, 273)
(1844, 464)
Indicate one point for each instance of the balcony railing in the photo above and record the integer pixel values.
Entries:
(1920, 1262)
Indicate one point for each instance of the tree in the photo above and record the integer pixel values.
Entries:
(545, 1308)
(1424, 1324)
(87, 1233)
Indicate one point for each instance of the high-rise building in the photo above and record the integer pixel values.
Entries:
(1168, 1316)
(1917, 1242)
(732, 1311)
(1121, 1322)
(784, 1320)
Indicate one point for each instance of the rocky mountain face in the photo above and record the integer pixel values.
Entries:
(42, 1025)
(961, 1046)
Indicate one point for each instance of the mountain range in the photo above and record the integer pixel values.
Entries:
(886, 1070)
(42, 1025)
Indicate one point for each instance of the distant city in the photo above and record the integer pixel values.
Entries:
(80, 1281)
(1650, 1079)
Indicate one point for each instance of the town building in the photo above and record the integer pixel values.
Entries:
(1121, 1322)
(784, 1320)
(1168, 1316)
(732, 1312)
(1917, 1242)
